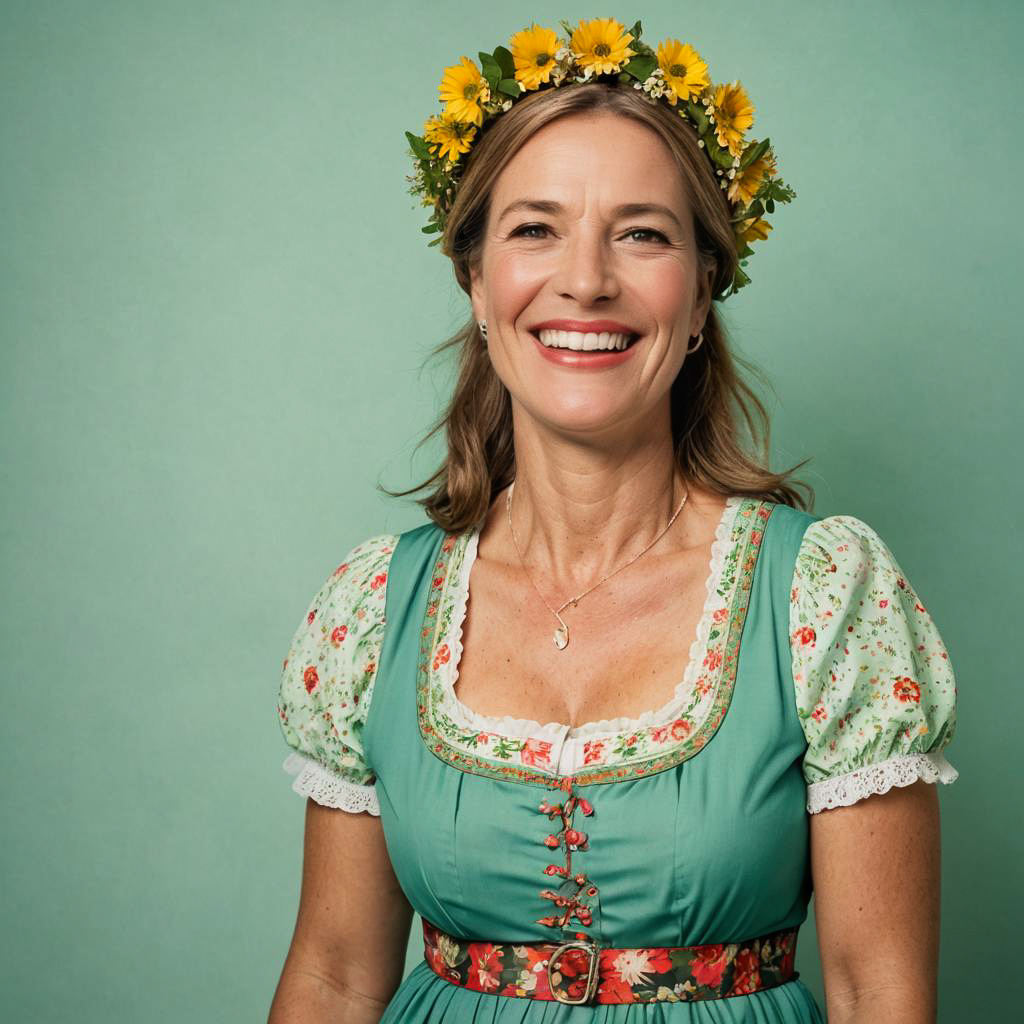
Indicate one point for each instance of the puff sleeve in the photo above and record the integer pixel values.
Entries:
(875, 690)
(327, 680)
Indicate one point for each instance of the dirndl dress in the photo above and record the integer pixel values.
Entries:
(816, 678)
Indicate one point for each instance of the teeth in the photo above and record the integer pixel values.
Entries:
(584, 342)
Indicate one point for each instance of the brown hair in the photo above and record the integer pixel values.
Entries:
(709, 396)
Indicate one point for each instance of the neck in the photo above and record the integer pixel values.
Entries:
(580, 511)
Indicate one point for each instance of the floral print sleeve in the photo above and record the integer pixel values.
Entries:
(327, 680)
(875, 690)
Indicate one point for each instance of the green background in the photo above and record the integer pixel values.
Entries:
(217, 303)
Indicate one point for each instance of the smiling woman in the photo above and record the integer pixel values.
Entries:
(678, 701)
(597, 180)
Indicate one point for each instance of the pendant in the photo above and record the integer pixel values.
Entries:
(561, 638)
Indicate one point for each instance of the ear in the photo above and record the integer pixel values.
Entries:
(477, 293)
(702, 306)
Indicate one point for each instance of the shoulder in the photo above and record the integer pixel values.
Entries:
(843, 541)
(784, 523)
(362, 563)
(359, 578)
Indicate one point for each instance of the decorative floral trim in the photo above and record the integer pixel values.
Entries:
(903, 770)
(626, 754)
(449, 656)
(329, 790)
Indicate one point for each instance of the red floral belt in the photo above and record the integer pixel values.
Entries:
(581, 971)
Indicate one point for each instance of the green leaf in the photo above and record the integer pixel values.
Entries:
(436, 241)
(491, 70)
(503, 58)
(776, 190)
(640, 67)
(755, 209)
(510, 87)
(699, 118)
(636, 30)
(770, 205)
(752, 153)
(431, 229)
(721, 156)
(567, 28)
(418, 146)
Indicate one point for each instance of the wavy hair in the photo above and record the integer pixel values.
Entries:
(721, 430)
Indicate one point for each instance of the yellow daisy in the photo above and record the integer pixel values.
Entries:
(734, 114)
(686, 75)
(533, 51)
(754, 229)
(463, 88)
(449, 137)
(746, 183)
(601, 44)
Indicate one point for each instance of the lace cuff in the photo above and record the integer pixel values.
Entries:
(848, 788)
(326, 788)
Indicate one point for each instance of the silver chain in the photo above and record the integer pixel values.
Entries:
(561, 636)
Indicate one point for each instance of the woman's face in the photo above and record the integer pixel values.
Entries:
(562, 244)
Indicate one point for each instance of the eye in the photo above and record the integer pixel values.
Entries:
(648, 231)
(527, 227)
(523, 229)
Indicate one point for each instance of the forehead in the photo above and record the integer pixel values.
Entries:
(593, 159)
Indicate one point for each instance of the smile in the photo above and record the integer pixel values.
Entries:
(590, 341)
(565, 353)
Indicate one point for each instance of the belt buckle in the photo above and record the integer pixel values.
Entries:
(593, 951)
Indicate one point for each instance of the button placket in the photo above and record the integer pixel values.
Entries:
(572, 898)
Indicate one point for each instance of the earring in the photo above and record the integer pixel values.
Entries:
(700, 340)
(482, 324)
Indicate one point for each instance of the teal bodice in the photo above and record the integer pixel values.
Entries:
(705, 842)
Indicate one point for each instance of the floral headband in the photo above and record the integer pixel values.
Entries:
(601, 48)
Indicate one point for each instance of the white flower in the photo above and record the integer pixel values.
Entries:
(633, 966)
(526, 981)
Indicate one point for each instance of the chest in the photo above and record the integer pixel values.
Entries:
(629, 643)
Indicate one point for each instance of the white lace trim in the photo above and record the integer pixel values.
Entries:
(846, 789)
(525, 728)
(314, 780)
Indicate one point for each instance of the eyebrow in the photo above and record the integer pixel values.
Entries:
(549, 206)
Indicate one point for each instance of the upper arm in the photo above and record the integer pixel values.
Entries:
(875, 869)
(877, 701)
(353, 920)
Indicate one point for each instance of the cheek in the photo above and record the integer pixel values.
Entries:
(513, 284)
(668, 289)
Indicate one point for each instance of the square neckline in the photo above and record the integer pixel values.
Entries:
(536, 758)
(527, 728)
(470, 742)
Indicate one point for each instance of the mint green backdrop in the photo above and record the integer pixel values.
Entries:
(216, 301)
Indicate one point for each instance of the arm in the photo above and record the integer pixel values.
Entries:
(875, 868)
(347, 953)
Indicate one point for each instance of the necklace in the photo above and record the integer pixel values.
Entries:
(561, 635)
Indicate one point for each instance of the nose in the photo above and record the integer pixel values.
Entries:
(586, 268)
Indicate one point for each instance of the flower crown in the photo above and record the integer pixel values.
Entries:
(601, 48)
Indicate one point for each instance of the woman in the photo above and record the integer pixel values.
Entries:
(677, 700)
